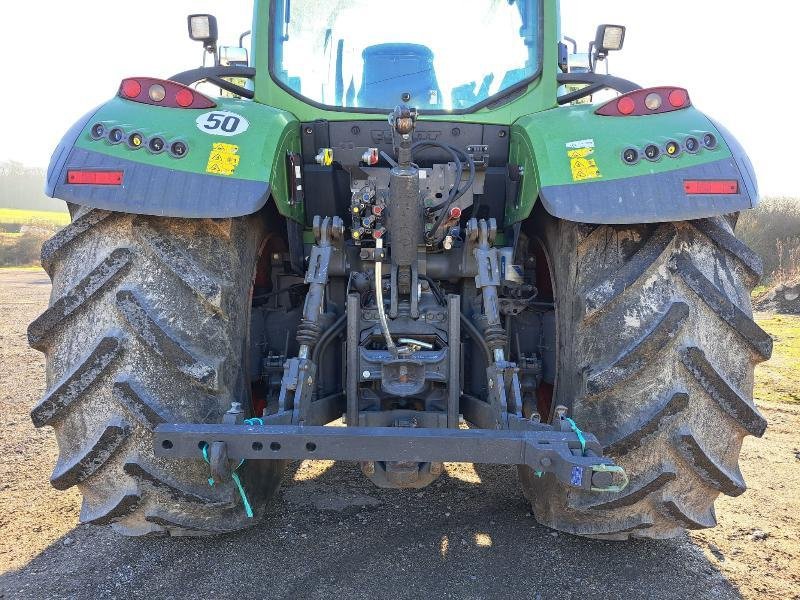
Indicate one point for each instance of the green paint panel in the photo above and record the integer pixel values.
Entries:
(261, 148)
(540, 131)
(539, 143)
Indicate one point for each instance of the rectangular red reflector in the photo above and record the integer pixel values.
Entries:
(95, 177)
(720, 186)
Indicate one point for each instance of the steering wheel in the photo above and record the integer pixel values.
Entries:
(215, 74)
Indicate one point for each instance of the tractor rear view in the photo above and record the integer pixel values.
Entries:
(459, 260)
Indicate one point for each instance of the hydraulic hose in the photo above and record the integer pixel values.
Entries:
(456, 192)
(379, 299)
(477, 337)
(327, 337)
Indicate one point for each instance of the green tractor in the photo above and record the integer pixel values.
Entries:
(440, 244)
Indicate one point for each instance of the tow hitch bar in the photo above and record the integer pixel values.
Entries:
(573, 456)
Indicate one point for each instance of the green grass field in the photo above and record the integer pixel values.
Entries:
(778, 379)
(19, 216)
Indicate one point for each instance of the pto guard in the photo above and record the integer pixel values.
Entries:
(223, 174)
(572, 161)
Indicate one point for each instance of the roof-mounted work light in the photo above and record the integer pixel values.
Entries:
(203, 28)
(609, 38)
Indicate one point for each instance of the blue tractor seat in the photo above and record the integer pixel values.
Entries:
(392, 70)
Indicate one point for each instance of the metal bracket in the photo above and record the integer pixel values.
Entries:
(298, 376)
(234, 415)
(545, 451)
(318, 263)
(219, 462)
(480, 154)
(294, 166)
(297, 383)
(488, 261)
(505, 396)
(482, 235)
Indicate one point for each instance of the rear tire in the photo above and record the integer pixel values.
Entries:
(148, 323)
(656, 351)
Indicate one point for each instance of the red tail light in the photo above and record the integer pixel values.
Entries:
(713, 187)
(649, 101)
(161, 92)
(81, 177)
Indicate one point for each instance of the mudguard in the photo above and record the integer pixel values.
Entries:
(223, 173)
(571, 160)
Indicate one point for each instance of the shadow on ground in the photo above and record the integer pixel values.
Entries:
(329, 534)
(332, 534)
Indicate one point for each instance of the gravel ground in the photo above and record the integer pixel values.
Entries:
(331, 534)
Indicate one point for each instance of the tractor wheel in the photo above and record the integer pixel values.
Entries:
(656, 348)
(148, 324)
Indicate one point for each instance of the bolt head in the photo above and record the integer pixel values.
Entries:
(545, 462)
(366, 375)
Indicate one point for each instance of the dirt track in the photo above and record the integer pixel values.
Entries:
(331, 534)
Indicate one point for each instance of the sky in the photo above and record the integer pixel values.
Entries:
(734, 56)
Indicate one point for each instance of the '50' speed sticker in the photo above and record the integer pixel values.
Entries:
(222, 122)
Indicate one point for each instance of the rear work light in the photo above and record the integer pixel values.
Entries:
(712, 187)
(160, 92)
(85, 177)
(651, 101)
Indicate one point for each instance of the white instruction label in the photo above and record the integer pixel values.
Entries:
(581, 144)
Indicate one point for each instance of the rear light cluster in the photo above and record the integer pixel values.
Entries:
(161, 92)
(135, 140)
(673, 148)
(650, 101)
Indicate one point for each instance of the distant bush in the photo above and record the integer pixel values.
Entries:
(773, 231)
(23, 249)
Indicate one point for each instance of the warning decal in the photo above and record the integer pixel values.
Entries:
(223, 159)
(580, 162)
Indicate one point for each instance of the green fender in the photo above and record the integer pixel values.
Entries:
(571, 160)
(221, 175)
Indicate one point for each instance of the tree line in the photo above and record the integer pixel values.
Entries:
(773, 230)
(23, 187)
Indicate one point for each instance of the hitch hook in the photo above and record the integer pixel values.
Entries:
(610, 469)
